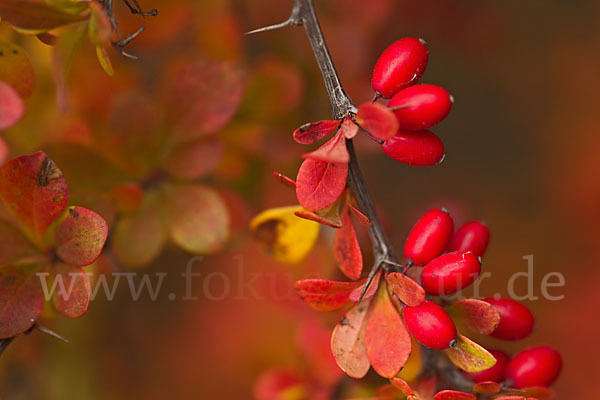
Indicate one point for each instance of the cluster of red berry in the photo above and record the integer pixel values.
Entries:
(448, 273)
(417, 108)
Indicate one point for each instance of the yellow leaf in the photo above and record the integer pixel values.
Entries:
(288, 238)
(104, 60)
(469, 356)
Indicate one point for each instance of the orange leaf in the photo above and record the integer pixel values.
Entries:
(348, 341)
(479, 316)
(469, 356)
(334, 151)
(16, 69)
(453, 395)
(314, 131)
(373, 286)
(346, 248)
(79, 236)
(33, 190)
(12, 107)
(378, 120)
(35, 15)
(72, 291)
(387, 340)
(402, 386)
(21, 300)
(407, 290)
(319, 184)
(489, 387)
(324, 295)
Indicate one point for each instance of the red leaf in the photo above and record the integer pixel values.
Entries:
(274, 384)
(402, 386)
(407, 290)
(362, 218)
(346, 248)
(33, 190)
(378, 120)
(488, 387)
(387, 340)
(324, 295)
(355, 295)
(16, 69)
(12, 107)
(348, 128)
(284, 179)
(204, 97)
(13, 245)
(35, 15)
(334, 151)
(314, 131)
(479, 316)
(329, 216)
(194, 160)
(21, 300)
(348, 341)
(453, 395)
(534, 392)
(79, 236)
(72, 291)
(319, 184)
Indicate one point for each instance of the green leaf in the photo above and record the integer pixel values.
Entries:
(79, 236)
(34, 190)
(16, 69)
(21, 300)
(196, 218)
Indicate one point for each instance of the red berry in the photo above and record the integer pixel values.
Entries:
(399, 66)
(423, 106)
(421, 149)
(429, 237)
(473, 236)
(494, 374)
(516, 321)
(537, 366)
(430, 325)
(450, 273)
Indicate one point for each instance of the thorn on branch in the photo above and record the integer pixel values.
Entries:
(137, 9)
(120, 45)
(294, 19)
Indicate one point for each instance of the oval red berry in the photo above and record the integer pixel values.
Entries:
(450, 273)
(494, 374)
(516, 321)
(537, 366)
(421, 106)
(421, 149)
(429, 237)
(473, 236)
(399, 66)
(430, 325)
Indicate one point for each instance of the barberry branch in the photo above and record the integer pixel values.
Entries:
(303, 13)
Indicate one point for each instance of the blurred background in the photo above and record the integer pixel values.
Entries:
(522, 149)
